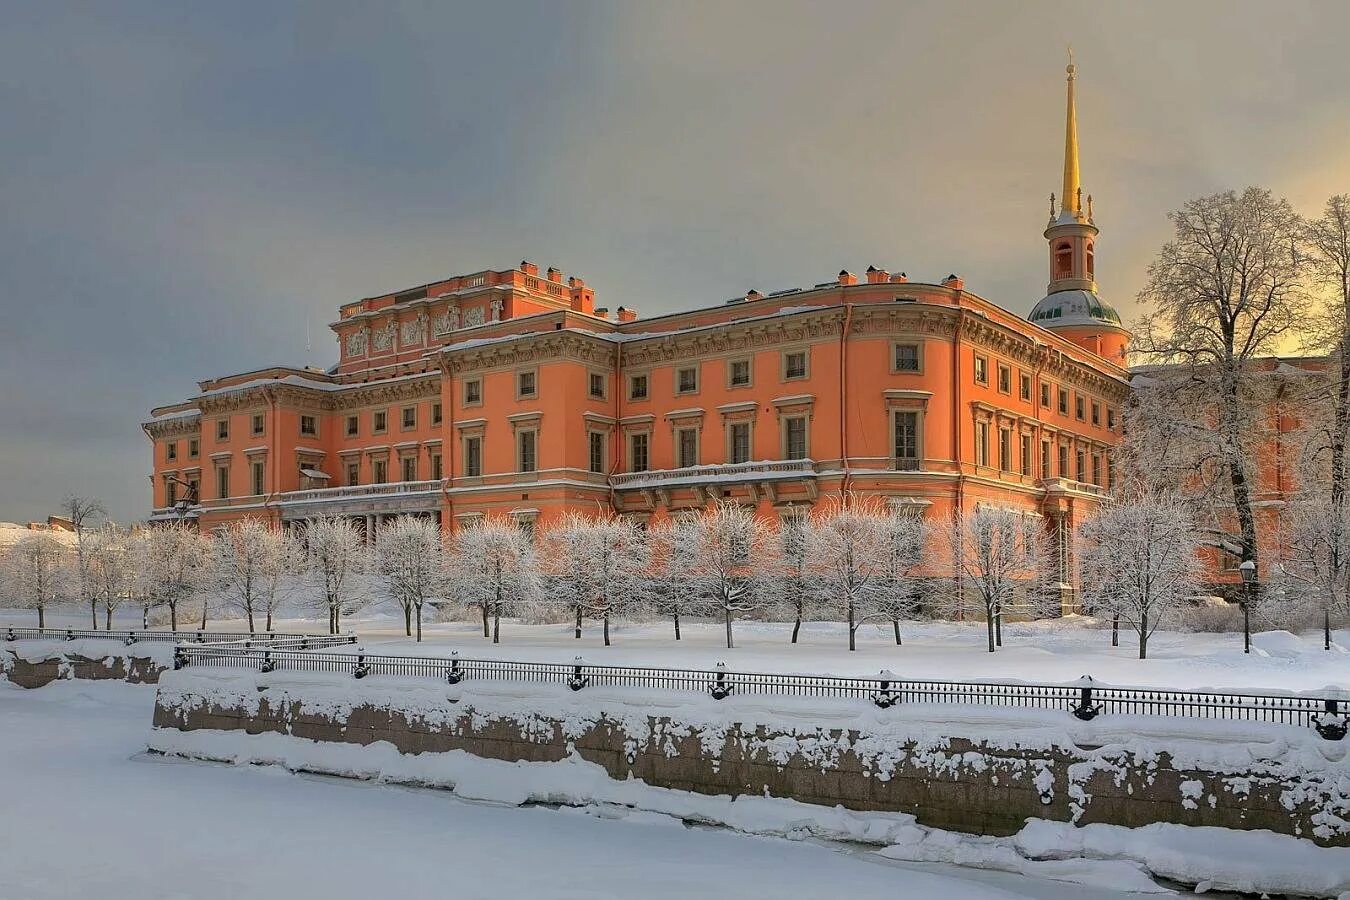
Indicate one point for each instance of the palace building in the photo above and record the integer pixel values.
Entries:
(512, 393)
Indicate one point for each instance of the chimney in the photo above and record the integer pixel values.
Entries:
(876, 276)
(954, 282)
(528, 267)
(901, 278)
(583, 298)
(753, 294)
(554, 274)
(601, 311)
(626, 315)
(846, 277)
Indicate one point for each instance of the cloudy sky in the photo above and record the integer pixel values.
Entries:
(188, 188)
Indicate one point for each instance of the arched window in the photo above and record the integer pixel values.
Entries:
(1063, 260)
(1091, 268)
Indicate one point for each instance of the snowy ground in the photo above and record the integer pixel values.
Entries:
(87, 813)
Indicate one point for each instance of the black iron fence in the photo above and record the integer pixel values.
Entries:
(237, 639)
(1085, 699)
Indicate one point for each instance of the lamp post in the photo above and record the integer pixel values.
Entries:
(1248, 570)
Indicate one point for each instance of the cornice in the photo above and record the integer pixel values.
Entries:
(532, 348)
(184, 426)
(734, 336)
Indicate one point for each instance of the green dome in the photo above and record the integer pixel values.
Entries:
(1076, 307)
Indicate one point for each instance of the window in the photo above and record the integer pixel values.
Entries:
(309, 426)
(473, 392)
(1004, 380)
(739, 451)
(257, 424)
(437, 473)
(171, 451)
(1110, 474)
(906, 438)
(353, 473)
(738, 372)
(525, 384)
(1063, 402)
(353, 426)
(982, 443)
(1110, 418)
(256, 469)
(409, 464)
(526, 446)
(1063, 461)
(1045, 459)
(436, 416)
(597, 385)
(1005, 450)
(223, 482)
(408, 417)
(1096, 414)
(794, 365)
(170, 492)
(222, 429)
(473, 457)
(637, 452)
(1079, 459)
(379, 471)
(597, 451)
(905, 358)
(1063, 260)
(686, 380)
(1096, 469)
(1024, 387)
(1026, 454)
(1078, 405)
(637, 387)
(794, 438)
(194, 487)
(1045, 395)
(379, 421)
(194, 448)
(981, 370)
(686, 447)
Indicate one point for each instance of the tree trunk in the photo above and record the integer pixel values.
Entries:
(796, 627)
(852, 628)
(896, 624)
(42, 617)
(677, 625)
(250, 620)
(204, 608)
(606, 628)
(727, 611)
(337, 617)
(1326, 629)
(145, 617)
(1115, 631)
(419, 623)
(989, 626)
(407, 621)
(1143, 636)
(107, 619)
(497, 625)
(577, 634)
(998, 629)
(93, 612)
(173, 616)
(486, 631)
(269, 621)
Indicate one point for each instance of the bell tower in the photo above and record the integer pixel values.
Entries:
(1072, 233)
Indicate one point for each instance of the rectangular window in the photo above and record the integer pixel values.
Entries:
(740, 442)
(473, 392)
(409, 417)
(1024, 389)
(256, 468)
(1004, 379)
(379, 471)
(637, 387)
(1078, 407)
(982, 443)
(526, 457)
(686, 442)
(637, 452)
(794, 365)
(379, 421)
(738, 372)
(222, 429)
(1096, 414)
(194, 448)
(1063, 461)
(223, 482)
(409, 468)
(1045, 459)
(525, 384)
(794, 437)
(353, 426)
(257, 424)
(597, 385)
(1081, 465)
(437, 473)
(170, 492)
(981, 370)
(1110, 473)
(473, 457)
(1110, 418)
(1045, 395)
(1063, 402)
(194, 487)
(686, 380)
(309, 426)
(1026, 454)
(597, 451)
(906, 358)
(436, 413)
(1005, 450)
(1096, 469)
(906, 439)
(353, 473)
(171, 451)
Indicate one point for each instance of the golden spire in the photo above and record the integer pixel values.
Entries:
(1070, 200)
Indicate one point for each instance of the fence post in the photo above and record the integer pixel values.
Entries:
(9, 634)
(577, 681)
(267, 664)
(454, 675)
(719, 688)
(361, 670)
(1331, 723)
(130, 639)
(1086, 709)
(70, 634)
(886, 696)
(179, 658)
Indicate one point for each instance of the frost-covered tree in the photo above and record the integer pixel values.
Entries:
(411, 566)
(173, 565)
(337, 557)
(798, 588)
(906, 537)
(565, 568)
(595, 566)
(671, 553)
(249, 557)
(1317, 548)
(82, 513)
(995, 555)
(731, 556)
(1138, 561)
(38, 572)
(493, 569)
(111, 568)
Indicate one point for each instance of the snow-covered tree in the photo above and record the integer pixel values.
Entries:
(732, 554)
(906, 538)
(173, 566)
(111, 568)
(564, 568)
(1317, 551)
(798, 588)
(82, 513)
(493, 569)
(671, 552)
(336, 558)
(411, 566)
(1138, 561)
(38, 571)
(595, 566)
(249, 557)
(995, 555)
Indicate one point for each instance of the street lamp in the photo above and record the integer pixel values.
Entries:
(1248, 570)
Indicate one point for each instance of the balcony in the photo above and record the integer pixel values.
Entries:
(1068, 485)
(388, 497)
(730, 473)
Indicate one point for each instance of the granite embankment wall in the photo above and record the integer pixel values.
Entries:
(34, 668)
(971, 770)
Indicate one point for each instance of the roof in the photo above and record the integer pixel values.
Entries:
(1074, 307)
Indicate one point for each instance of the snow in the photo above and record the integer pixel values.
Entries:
(87, 813)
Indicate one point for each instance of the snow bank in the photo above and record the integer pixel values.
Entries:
(109, 650)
